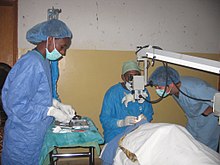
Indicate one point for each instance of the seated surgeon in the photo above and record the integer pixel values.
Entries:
(190, 93)
(27, 95)
(119, 108)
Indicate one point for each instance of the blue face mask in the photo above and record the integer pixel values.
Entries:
(161, 91)
(54, 55)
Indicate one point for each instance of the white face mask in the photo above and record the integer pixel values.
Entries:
(54, 55)
(128, 86)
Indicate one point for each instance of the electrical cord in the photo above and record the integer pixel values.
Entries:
(205, 100)
(161, 97)
(167, 76)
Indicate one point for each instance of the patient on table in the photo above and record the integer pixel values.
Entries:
(157, 143)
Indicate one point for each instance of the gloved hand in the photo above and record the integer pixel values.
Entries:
(58, 115)
(65, 108)
(140, 117)
(129, 120)
(127, 98)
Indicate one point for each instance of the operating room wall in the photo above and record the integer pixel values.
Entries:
(175, 25)
(85, 76)
(106, 34)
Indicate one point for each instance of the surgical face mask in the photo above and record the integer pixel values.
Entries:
(128, 85)
(161, 91)
(54, 55)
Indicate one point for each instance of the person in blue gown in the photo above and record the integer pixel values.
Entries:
(194, 97)
(119, 108)
(27, 95)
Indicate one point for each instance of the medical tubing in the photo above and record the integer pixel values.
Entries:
(146, 46)
(166, 66)
(205, 100)
(141, 47)
(180, 90)
(152, 102)
(160, 97)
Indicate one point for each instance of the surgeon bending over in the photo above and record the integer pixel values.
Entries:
(27, 95)
(119, 109)
(202, 123)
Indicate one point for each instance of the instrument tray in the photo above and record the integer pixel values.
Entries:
(74, 124)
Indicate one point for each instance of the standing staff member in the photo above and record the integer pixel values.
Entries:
(27, 95)
(190, 93)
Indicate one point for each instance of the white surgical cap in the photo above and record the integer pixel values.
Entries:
(130, 65)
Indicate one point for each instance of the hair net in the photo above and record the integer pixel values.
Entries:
(130, 65)
(53, 28)
(158, 77)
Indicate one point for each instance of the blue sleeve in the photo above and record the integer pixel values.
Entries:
(108, 122)
(21, 86)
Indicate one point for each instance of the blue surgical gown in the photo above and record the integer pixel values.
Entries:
(203, 128)
(113, 110)
(54, 76)
(26, 96)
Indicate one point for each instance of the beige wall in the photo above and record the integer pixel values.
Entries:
(177, 25)
(86, 75)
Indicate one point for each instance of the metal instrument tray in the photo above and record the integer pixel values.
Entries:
(74, 124)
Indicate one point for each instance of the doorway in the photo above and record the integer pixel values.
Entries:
(8, 31)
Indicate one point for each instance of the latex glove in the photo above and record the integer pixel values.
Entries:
(58, 115)
(65, 108)
(140, 117)
(129, 120)
(127, 98)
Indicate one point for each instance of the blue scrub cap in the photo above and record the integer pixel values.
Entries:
(130, 65)
(158, 77)
(52, 28)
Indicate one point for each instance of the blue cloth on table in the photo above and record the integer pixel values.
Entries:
(88, 138)
(109, 153)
